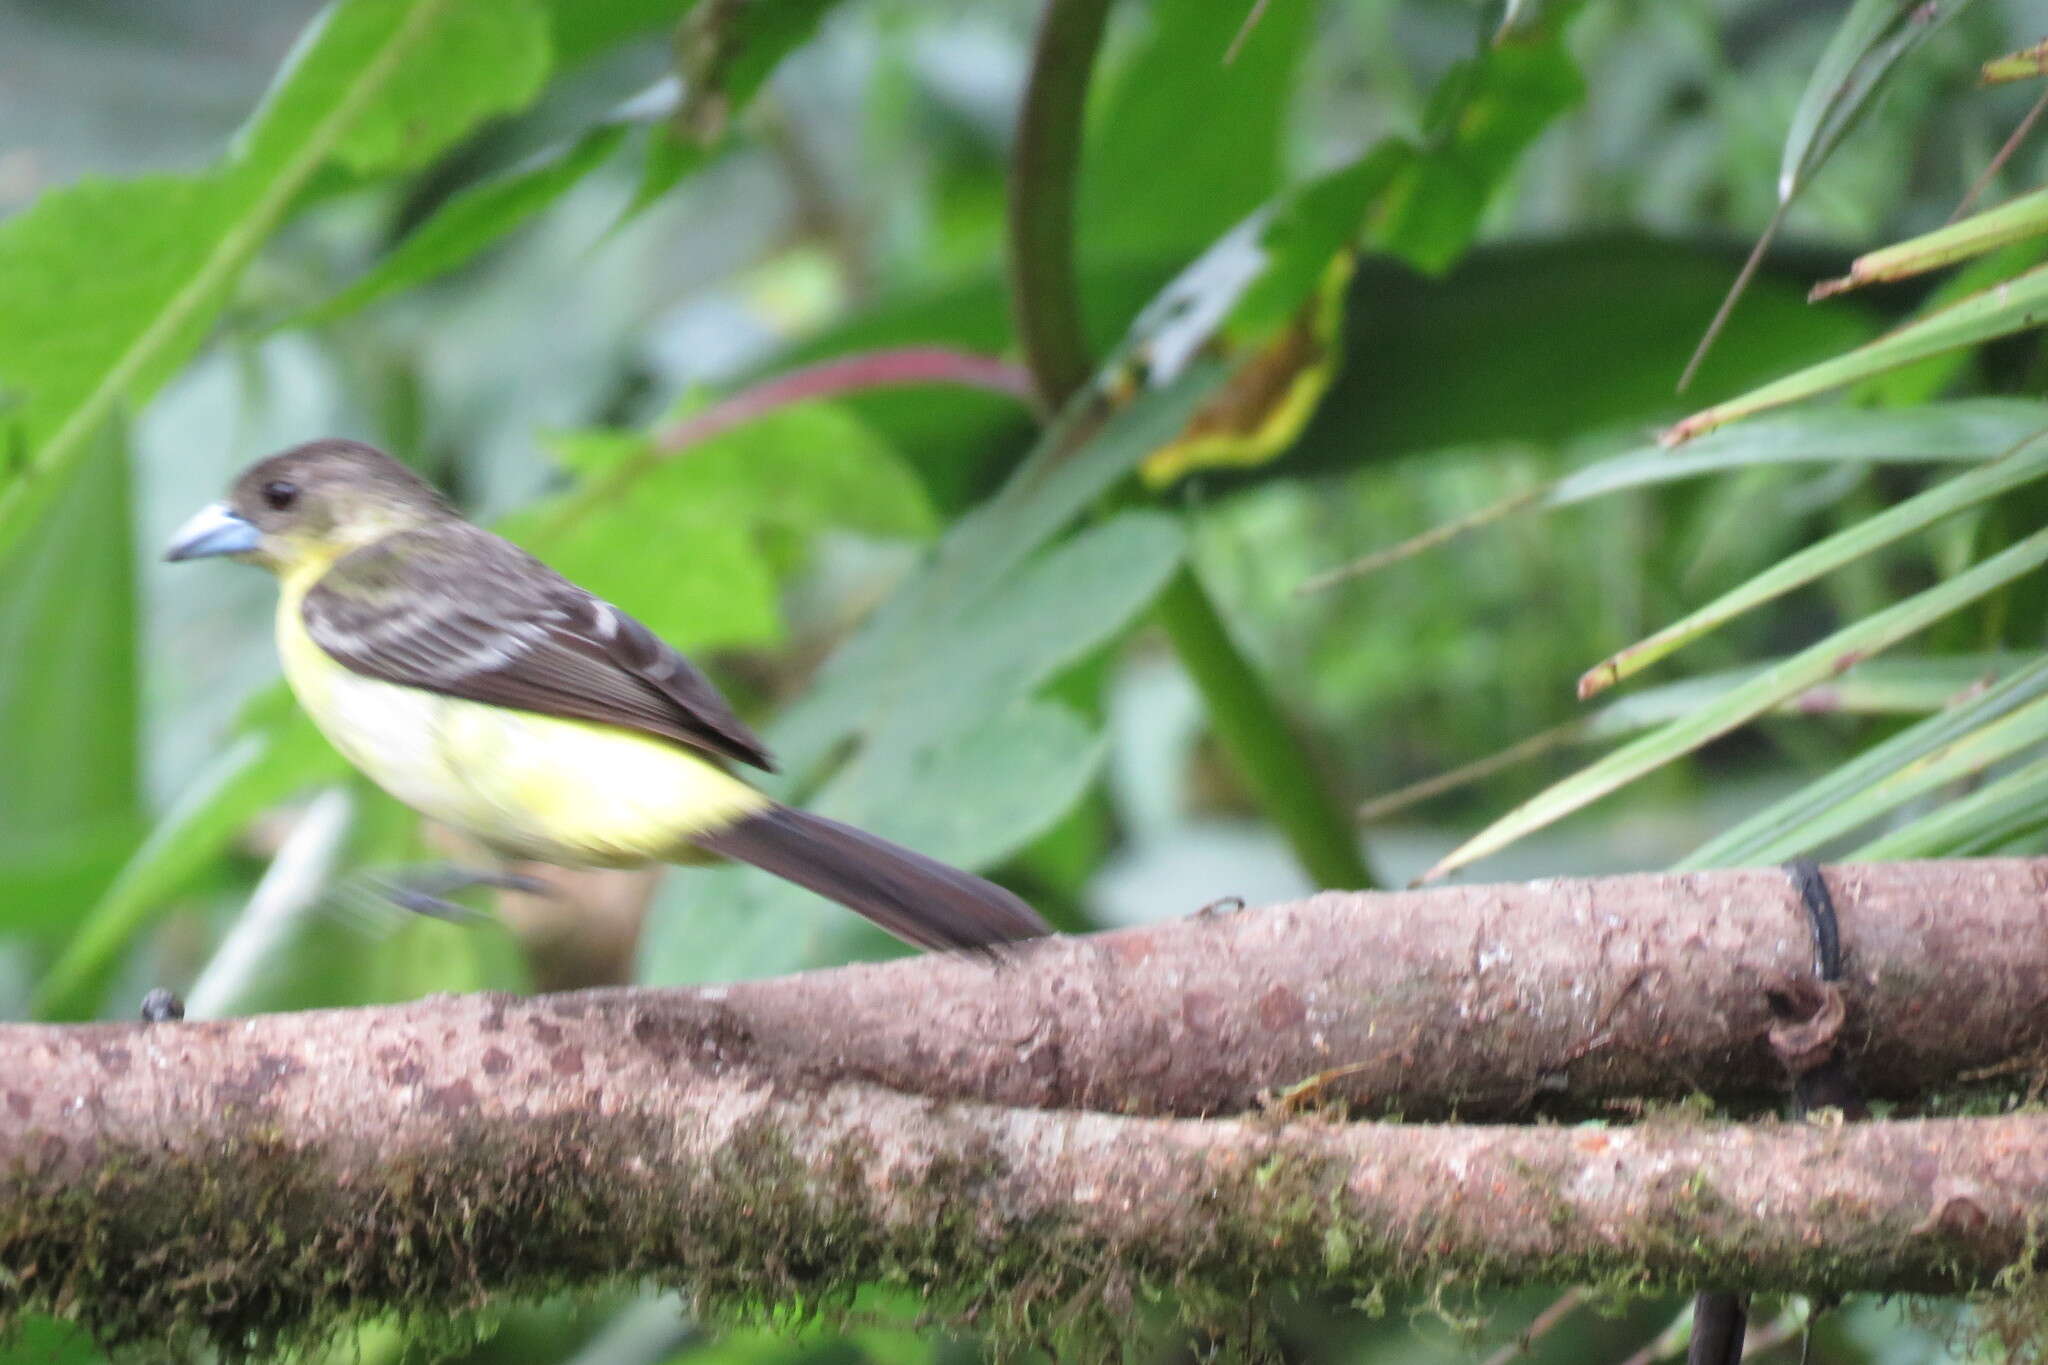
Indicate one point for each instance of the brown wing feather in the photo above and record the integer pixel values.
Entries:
(453, 609)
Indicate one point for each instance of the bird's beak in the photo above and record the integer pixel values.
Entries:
(213, 530)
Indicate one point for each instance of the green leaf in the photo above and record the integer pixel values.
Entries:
(1184, 144)
(379, 86)
(2021, 466)
(2013, 221)
(1482, 116)
(70, 803)
(1967, 429)
(1994, 814)
(1878, 687)
(1798, 823)
(702, 575)
(1542, 341)
(1833, 655)
(1991, 743)
(956, 758)
(106, 289)
(1999, 311)
(470, 221)
(1868, 43)
(725, 52)
(252, 774)
(580, 29)
(981, 551)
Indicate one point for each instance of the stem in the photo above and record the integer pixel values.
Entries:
(1045, 298)
(1045, 292)
(1261, 745)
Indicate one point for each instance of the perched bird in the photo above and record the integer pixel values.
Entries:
(486, 691)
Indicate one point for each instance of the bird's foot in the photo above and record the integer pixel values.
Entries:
(427, 892)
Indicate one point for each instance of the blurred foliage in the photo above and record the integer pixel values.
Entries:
(1392, 296)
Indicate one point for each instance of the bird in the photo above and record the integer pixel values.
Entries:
(488, 692)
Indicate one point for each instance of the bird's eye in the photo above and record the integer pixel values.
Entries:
(280, 495)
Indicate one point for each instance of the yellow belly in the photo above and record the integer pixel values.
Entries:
(562, 791)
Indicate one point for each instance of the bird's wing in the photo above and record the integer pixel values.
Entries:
(454, 609)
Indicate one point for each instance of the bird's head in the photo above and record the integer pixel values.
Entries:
(309, 505)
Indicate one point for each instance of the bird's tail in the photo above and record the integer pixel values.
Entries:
(918, 899)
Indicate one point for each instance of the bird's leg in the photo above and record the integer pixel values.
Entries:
(1806, 1039)
(426, 892)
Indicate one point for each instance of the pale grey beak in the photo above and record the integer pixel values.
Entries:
(213, 530)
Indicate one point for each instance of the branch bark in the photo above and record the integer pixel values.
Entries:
(925, 1120)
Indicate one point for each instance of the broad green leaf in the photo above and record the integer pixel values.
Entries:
(1184, 145)
(1482, 116)
(955, 756)
(387, 85)
(2023, 465)
(70, 795)
(1994, 814)
(2014, 221)
(996, 647)
(979, 553)
(106, 289)
(702, 573)
(38, 1339)
(1269, 298)
(993, 791)
(1522, 341)
(667, 162)
(580, 29)
(1544, 341)
(1999, 311)
(471, 221)
(1833, 655)
(253, 773)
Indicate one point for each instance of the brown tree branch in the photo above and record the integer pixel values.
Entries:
(1468, 1000)
(243, 1178)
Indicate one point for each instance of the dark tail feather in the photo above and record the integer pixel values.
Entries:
(918, 899)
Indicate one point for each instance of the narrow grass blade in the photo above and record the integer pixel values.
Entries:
(1963, 431)
(1831, 656)
(1867, 44)
(2029, 461)
(1882, 687)
(1795, 825)
(1987, 817)
(1972, 754)
(2022, 65)
(2014, 221)
(1999, 311)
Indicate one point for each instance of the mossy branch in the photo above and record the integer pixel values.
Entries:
(927, 1122)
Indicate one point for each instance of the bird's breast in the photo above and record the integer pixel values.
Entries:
(535, 786)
